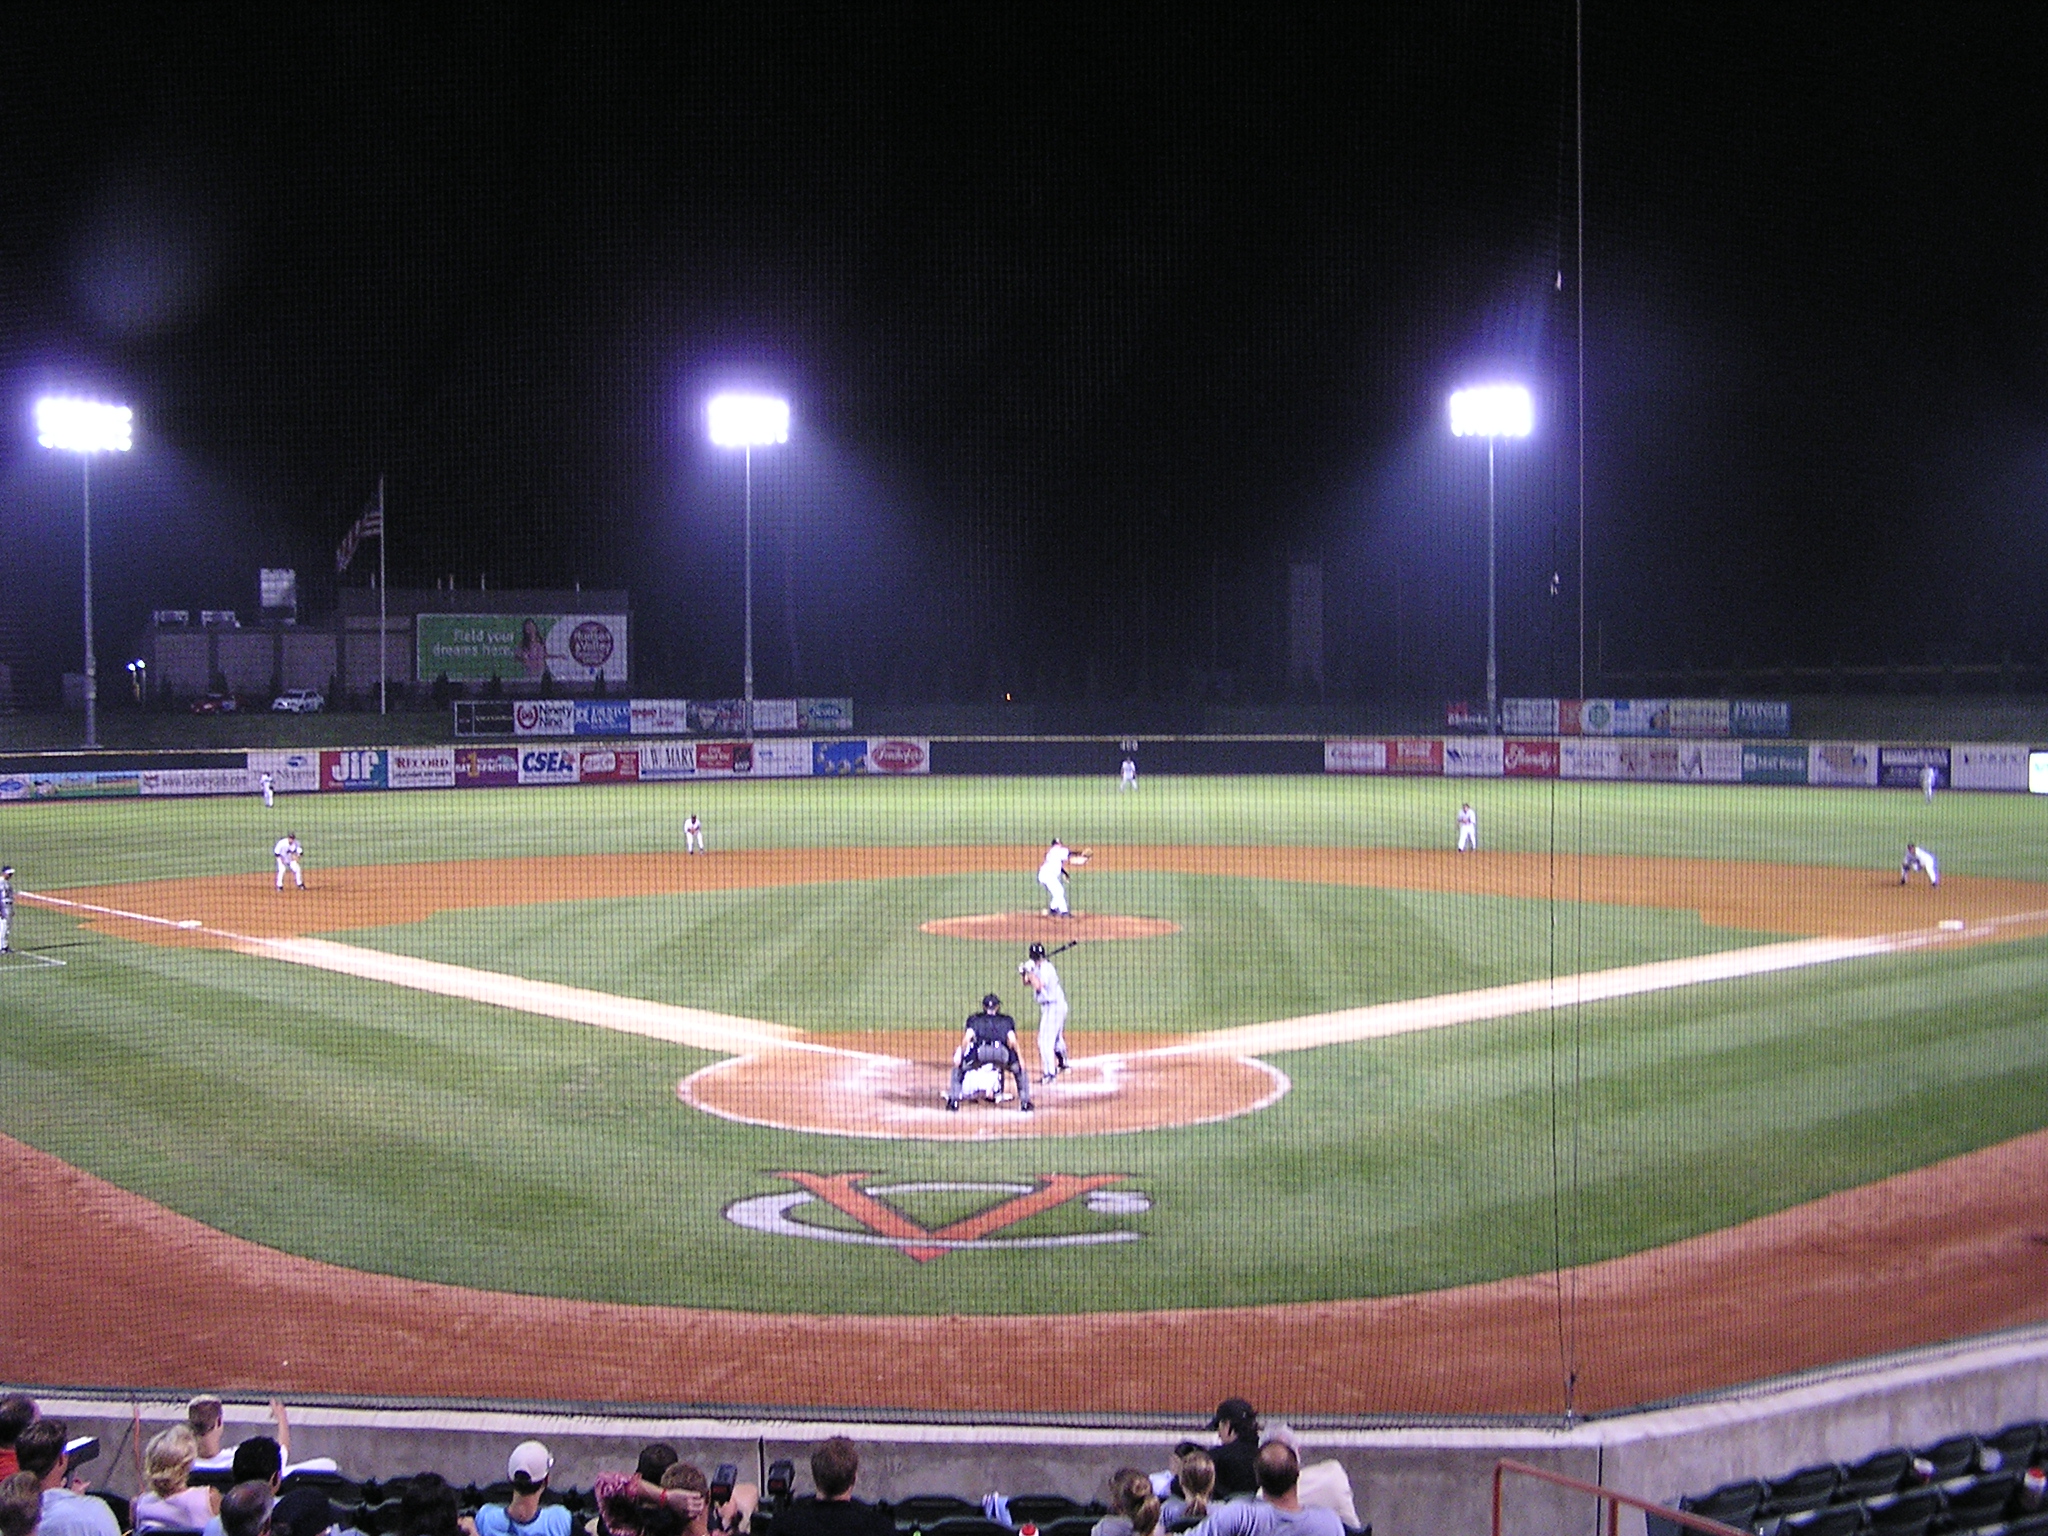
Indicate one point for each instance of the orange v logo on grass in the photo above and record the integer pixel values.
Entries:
(843, 1193)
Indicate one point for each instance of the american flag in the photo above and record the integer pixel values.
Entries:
(369, 525)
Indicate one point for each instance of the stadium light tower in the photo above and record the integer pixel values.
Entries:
(748, 422)
(1491, 411)
(86, 427)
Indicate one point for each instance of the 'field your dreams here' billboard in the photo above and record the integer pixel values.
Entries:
(474, 647)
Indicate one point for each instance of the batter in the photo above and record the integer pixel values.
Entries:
(1044, 981)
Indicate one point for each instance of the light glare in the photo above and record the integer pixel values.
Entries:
(1492, 410)
(748, 421)
(84, 426)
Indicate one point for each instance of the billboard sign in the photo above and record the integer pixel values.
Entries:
(1699, 717)
(824, 714)
(1841, 762)
(658, 717)
(899, 754)
(81, 785)
(1760, 717)
(356, 768)
(725, 757)
(291, 773)
(1477, 757)
(1529, 717)
(483, 717)
(544, 717)
(1773, 763)
(668, 760)
(601, 717)
(1988, 765)
(420, 768)
(609, 765)
(196, 781)
(1640, 717)
(785, 757)
(838, 759)
(547, 765)
(1424, 755)
(1900, 766)
(1354, 757)
(474, 647)
(1529, 759)
(486, 767)
(775, 715)
(718, 717)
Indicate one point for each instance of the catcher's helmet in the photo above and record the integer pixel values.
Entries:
(991, 1004)
(1037, 951)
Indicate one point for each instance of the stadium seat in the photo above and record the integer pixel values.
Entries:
(1954, 1457)
(1731, 1503)
(1828, 1520)
(2020, 1445)
(967, 1525)
(1874, 1476)
(1979, 1500)
(1903, 1514)
(921, 1510)
(1041, 1509)
(2028, 1525)
(1797, 1492)
(1070, 1525)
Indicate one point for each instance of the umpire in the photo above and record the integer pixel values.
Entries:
(990, 1039)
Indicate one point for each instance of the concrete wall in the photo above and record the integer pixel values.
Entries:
(1408, 1481)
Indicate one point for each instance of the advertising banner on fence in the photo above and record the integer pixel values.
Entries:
(1354, 757)
(601, 717)
(291, 773)
(658, 717)
(1476, 757)
(1899, 767)
(899, 754)
(544, 717)
(1651, 760)
(196, 781)
(609, 765)
(1464, 715)
(483, 717)
(785, 757)
(1759, 717)
(1529, 717)
(420, 768)
(775, 714)
(724, 759)
(1530, 759)
(718, 717)
(1774, 763)
(486, 767)
(1408, 755)
(1699, 717)
(824, 714)
(356, 768)
(1988, 765)
(837, 759)
(69, 786)
(474, 647)
(547, 765)
(668, 760)
(1841, 762)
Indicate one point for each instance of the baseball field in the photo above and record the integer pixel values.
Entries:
(1664, 1088)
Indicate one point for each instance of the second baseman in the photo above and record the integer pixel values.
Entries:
(288, 852)
(693, 835)
(1044, 981)
(1468, 828)
(1919, 858)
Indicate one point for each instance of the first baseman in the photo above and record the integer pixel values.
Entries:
(1044, 982)
(1468, 828)
(6, 906)
(1919, 858)
(288, 853)
(693, 835)
(1052, 874)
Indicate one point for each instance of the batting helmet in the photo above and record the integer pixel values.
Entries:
(991, 1004)
(1037, 951)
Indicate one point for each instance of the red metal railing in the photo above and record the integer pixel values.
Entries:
(1613, 1499)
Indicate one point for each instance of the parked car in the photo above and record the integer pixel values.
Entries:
(214, 704)
(300, 701)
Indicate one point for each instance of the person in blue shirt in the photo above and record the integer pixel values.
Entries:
(528, 1468)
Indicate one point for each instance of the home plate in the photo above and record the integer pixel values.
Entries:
(193, 922)
(1952, 924)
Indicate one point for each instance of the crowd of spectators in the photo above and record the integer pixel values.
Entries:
(1242, 1485)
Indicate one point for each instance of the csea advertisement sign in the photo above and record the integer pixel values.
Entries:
(475, 647)
(548, 765)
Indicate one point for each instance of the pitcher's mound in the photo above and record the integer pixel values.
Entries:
(1023, 927)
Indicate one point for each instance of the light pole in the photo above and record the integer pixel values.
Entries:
(1491, 411)
(748, 422)
(86, 427)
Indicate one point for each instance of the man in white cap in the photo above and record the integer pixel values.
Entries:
(528, 1468)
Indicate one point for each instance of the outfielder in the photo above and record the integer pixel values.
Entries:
(1919, 858)
(6, 907)
(269, 790)
(288, 852)
(990, 1039)
(1052, 874)
(1128, 778)
(1044, 982)
(1928, 777)
(693, 835)
(1468, 828)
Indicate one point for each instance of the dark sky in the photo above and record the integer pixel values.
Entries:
(1090, 321)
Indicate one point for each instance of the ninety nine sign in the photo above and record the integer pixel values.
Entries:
(884, 1224)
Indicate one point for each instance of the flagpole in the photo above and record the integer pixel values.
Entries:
(383, 599)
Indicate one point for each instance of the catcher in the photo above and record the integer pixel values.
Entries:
(1052, 874)
(990, 1039)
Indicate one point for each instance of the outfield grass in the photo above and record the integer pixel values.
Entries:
(431, 1138)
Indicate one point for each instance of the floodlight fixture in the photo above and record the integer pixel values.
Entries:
(86, 427)
(748, 422)
(1492, 411)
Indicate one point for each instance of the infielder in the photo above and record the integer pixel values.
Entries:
(269, 791)
(990, 1039)
(1468, 828)
(1044, 982)
(1052, 874)
(288, 853)
(1919, 858)
(6, 907)
(693, 835)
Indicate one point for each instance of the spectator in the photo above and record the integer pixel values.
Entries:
(245, 1511)
(1195, 1475)
(208, 1419)
(66, 1510)
(21, 1502)
(16, 1414)
(833, 1510)
(1129, 1489)
(1280, 1512)
(635, 1504)
(680, 1476)
(1324, 1484)
(171, 1501)
(427, 1506)
(258, 1459)
(1236, 1424)
(529, 1467)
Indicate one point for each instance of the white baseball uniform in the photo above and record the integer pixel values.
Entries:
(1927, 778)
(1052, 874)
(1044, 982)
(269, 791)
(1129, 780)
(6, 911)
(1468, 829)
(1919, 858)
(287, 850)
(693, 835)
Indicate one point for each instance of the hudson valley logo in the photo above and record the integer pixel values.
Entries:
(869, 1214)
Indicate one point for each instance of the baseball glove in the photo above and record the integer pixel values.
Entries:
(1082, 857)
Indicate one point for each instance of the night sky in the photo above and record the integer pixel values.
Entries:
(1090, 321)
